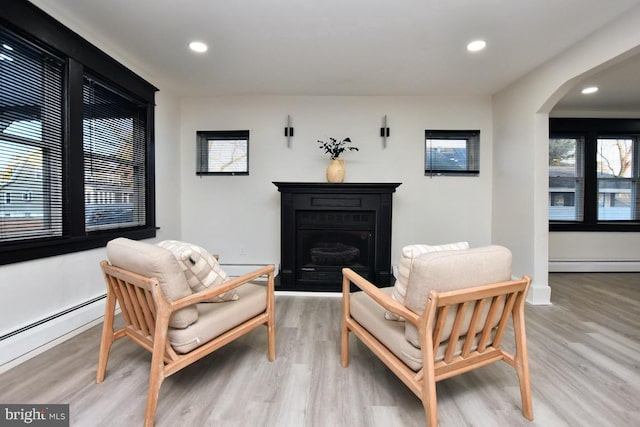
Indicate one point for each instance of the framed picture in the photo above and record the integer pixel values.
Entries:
(224, 152)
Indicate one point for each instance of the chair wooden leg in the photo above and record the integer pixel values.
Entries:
(429, 397)
(271, 320)
(522, 366)
(107, 337)
(156, 377)
(525, 391)
(345, 344)
(346, 313)
(271, 340)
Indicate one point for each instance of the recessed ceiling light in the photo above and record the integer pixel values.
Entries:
(589, 90)
(476, 45)
(198, 47)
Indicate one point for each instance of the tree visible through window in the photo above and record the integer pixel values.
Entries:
(223, 152)
(593, 174)
(616, 187)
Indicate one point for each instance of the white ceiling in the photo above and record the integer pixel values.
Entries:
(335, 47)
(618, 91)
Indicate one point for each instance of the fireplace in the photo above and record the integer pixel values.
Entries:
(330, 240)
(325, 227)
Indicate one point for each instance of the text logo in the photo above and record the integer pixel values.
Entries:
(54, 415)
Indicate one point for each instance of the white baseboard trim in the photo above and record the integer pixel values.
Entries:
(593, 266)
(25, 345)
(539, 295)
(235, 270)
(309, 294)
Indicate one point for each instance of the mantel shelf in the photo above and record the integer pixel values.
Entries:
(344, 187)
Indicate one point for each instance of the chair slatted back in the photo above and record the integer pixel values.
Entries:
(471, 325)
(134, 294)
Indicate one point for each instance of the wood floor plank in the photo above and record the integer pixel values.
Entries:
(584, 351)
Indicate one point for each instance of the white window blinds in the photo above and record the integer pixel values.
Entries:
(114, 136)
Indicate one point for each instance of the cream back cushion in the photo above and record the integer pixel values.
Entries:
(451, 270)
(200, 268)
(407, 255)
(152, 261)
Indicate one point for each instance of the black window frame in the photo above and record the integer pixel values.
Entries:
(202, 149)
(473, 148)
(592, 129)
(35, 26)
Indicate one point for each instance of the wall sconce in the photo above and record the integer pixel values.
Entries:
(288, 131)
(384, 131)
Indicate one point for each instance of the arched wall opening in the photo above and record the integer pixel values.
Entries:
(521, 135)
(581, 251)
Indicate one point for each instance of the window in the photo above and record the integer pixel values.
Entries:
(76, 144)
(450, 152)
(566, 179)
(114, 136)
(616, 183)
(593, 174)
(223, 152)
(31, 94)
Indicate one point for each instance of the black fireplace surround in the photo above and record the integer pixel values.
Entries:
(325, 227)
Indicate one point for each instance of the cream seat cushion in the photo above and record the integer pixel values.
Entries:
(216, 319)
(153, 261)
(370, 315)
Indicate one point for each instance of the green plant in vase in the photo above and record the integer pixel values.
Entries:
(335, 170)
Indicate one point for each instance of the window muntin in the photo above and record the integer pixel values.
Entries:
(452, 152)
(31, 140)
(222, 152)
(566, 179)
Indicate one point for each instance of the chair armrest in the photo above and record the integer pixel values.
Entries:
(207, 294)
(380, 297)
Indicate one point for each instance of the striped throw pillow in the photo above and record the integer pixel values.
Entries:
(200, 268)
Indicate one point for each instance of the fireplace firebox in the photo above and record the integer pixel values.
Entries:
(325, 227)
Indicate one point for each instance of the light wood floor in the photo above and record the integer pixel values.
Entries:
(584, 354)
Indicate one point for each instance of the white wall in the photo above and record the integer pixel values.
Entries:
(521, 132)
(239, 216)
(610, 251)
(167, 137)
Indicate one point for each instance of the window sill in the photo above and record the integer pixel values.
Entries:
(29, 250)
(598, 227)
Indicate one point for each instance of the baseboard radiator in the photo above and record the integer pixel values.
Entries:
(593, 266)
(30, 340)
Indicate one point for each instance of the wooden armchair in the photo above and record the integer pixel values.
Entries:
(456, 309)
(164, 316)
